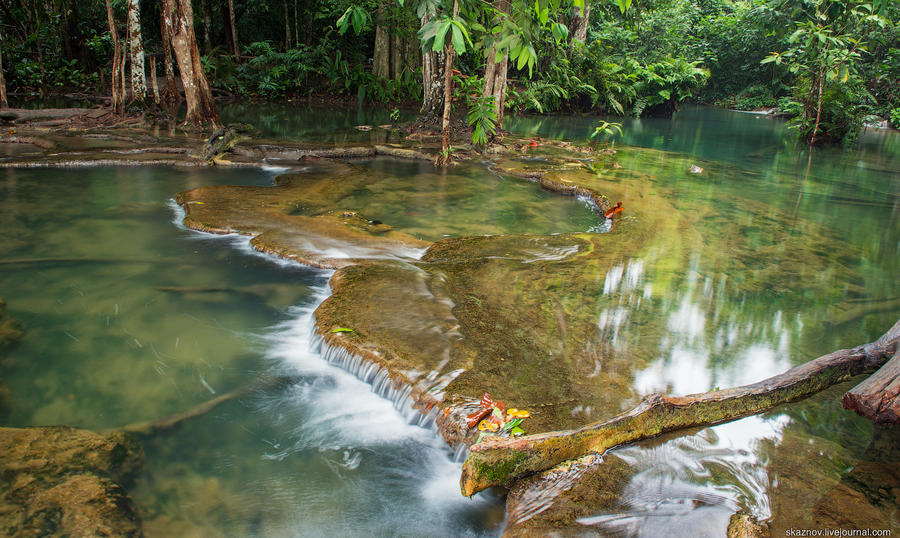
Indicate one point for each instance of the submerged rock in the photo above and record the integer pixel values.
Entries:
(11, 331)
(64, 481)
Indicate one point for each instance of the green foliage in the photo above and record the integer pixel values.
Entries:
(824, 52)
(755, 97)
(895, 117)
(355, 16)
(607, 129)
(483, 119)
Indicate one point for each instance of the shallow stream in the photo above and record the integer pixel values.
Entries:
(132, 317)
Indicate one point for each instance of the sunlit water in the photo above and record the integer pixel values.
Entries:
(130, 317)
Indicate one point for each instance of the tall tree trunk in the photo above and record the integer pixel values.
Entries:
(381, 64)
(578, 25)
(234, 39)
(396, 57)
(207, 25)
(118, 88)
(432, 87)
(449, 51)
(153, 83)
(138, 78)
(495, 75)
(170, 95)
(179, 21)
(287, 26)
(37, 47)
(3, 102)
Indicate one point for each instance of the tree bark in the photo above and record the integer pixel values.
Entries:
(396, 57)
(234, 39)
(170, 94)
(3, 102)
(118, 90)
(207, 25)
(381, 57)
(287, 26)
(449, 51)
(179, 21)
(432, 87)
(876, 398)
(138, 78)
(499, 461)
(495, 74)
(153, 82)
(578, 25)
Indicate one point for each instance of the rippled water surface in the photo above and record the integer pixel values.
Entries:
(776, 258)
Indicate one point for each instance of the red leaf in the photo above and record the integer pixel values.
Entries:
(486, 401)
(473, 419)
(613, 210)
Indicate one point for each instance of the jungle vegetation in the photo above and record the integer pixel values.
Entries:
(830, 65)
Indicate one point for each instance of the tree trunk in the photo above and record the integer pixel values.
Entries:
(287, 27)
(499, 461)
(396, 57)
(432, 87)
(381, 58)
(118, 92)
(179, 21)
(154, 84)
(37, 47)
(3, 102)
(138, 78)
(234, 39)
(495, 75)
(578, 25)
(450, 52)
(170, 94)
(495, 84)
(207, 25)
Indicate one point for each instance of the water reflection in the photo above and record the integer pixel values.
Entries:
(699, 480)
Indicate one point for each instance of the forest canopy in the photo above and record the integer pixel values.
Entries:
(831, 65)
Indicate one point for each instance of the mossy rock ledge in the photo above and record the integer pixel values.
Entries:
(62, 481)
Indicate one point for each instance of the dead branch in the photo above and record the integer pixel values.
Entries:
(500, 461)
(876, 397)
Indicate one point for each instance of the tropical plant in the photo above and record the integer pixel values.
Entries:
(824, 52)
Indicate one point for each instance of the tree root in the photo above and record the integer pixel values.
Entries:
(500, 461)
(154, 427)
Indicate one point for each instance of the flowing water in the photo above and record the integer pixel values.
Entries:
(131, 317)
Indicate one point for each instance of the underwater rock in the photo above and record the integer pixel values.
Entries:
(11, 331)
(64, 481)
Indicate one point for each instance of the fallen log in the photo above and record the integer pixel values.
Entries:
(876, 397)
(500, 461)
(19, 115)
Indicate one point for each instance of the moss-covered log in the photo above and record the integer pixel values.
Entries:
(499, 461)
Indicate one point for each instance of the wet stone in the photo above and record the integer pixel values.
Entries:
(64, 481)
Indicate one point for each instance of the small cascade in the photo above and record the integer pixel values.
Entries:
(378, 378)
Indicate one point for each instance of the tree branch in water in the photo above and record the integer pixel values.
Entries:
(500, 461)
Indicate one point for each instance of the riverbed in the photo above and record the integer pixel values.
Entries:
(777, 258)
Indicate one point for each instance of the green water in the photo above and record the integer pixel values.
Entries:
(776, 259)
(130, 317)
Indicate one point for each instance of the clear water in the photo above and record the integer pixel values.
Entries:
(130, 317)
(777, 258)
